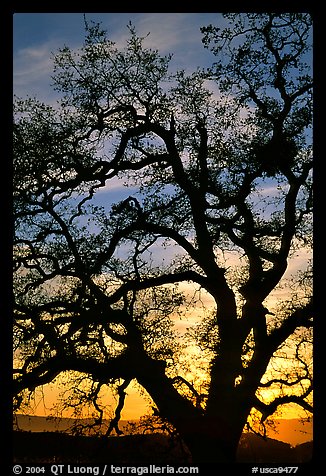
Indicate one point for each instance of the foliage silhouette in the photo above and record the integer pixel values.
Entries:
(221, 182)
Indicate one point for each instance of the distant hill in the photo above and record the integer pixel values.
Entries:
(50, 447)
(55, 424)
(155, 448)
(254, 449)
(291, 431)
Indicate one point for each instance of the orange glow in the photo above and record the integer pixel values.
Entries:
(138, 404)
(288, 427)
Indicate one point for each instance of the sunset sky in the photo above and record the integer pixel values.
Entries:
(38, 35)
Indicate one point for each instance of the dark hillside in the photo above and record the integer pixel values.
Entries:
(59, 447)
(50, 447)
(258, 450)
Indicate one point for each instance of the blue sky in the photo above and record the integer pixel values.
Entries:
(38, 35)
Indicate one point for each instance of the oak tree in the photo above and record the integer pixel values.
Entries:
(217, 199)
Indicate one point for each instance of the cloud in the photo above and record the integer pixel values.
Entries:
(37, 37)
(166, 30)
(32, 71)
(169, 30)
(170, 33)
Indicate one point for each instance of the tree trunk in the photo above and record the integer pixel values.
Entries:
(210, 439)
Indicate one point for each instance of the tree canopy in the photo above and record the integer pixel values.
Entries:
(217, 173)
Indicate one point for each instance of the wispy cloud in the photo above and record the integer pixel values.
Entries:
(32, 70)
(175, 33)
(166, 30)
(179, 34)
(169, 30)
(170, 33)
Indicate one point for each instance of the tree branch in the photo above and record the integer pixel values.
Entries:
(301, 317)
(268, 409)
(145, 283)
(114, 423)
(117, 367)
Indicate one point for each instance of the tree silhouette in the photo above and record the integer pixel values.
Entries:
(218, 165)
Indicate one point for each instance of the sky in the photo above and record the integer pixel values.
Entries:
(36, 36)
